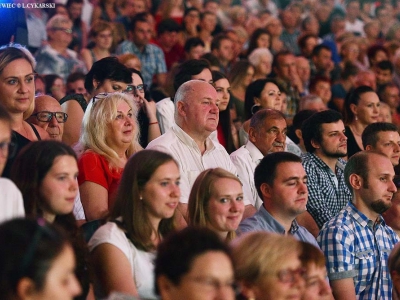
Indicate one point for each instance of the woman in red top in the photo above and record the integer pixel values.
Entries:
(109, 137)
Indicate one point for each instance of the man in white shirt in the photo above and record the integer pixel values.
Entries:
(188, 141)
(267, 134)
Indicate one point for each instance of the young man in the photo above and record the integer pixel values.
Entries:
(281, 183)
(357, 241)
(326, 144)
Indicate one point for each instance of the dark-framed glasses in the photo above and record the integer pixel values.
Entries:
(290, 276)
(46, 116)
(7, 149)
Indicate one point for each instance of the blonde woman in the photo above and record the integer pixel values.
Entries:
(109, 137)
(267, 266)
(216, 202)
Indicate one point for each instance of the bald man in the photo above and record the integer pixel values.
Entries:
(49, 115)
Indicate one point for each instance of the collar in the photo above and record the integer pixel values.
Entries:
(136, 49)
(187, 140)
(362, 219)
(255, 154)
(340, 164)
(71, 54)
(275, 225)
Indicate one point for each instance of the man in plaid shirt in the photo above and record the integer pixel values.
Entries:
(326, 144)
(357, 241)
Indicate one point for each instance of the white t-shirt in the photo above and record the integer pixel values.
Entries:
(11, 201)
(141, 262)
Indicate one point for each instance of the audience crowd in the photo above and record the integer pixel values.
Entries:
(200, 149)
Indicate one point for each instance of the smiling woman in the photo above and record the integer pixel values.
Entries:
(109, 137)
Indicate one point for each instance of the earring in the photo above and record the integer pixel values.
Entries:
(255, 108)
(355, 118)
(140, 198)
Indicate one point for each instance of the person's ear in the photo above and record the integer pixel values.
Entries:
(299, 134)
(96, 84)
(355, 181)
(252, 135)
(248, 291)
(368, 148)
(181, 108)
(165, 287)
(353, 109)
(25, 289)
(315, 144)
(266, 190)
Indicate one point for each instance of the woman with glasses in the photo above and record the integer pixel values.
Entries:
(123, 250)
(110, 134)
(107, 75)
(11, 202)
(267, 266)
(101, 34)
(216, 202)
(37, 262)
(149, 128)
(46, 174)
(17, 90)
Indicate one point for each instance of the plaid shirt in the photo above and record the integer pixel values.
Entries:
(152, 59)
(357, 247)
(325, 199)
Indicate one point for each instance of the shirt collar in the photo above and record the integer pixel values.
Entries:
(187, 140)
(340, 164)
(275, 225)
(362, 219)
(255, 154)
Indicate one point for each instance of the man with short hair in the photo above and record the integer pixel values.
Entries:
(48, 114)
(188, 141)
(281, 183)
(76, 84)
(222, 48)
(357, 241)
(304, 72)
(191, 69)
(190, 259)
(194, 48)
(389, 94)
(353, 22)
(167, 40)
(326, 145)
(322, 64)
(267, 134)
(151, 56)
(383, 138)
(384, 73)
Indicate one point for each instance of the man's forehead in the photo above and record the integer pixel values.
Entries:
(388, 135)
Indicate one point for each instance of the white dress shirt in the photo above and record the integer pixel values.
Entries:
(246, 159)
(191, 162)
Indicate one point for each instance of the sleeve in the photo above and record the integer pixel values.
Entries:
(11, 201)
(45, 64)
(316, 205)
(92, 168)
(78, 211)
(337, 243)
(165, 114)
(160, 62)
(246, 177)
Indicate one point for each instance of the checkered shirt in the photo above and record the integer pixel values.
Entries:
(325, 200)
(152, 59)
(357, 247)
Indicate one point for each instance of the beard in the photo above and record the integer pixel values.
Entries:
(334, 154)
(380, 206)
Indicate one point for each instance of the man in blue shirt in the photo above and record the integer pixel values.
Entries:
(281, 183)
(357, 241)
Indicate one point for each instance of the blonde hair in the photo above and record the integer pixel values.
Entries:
(57, 21)
(257, 254)
(94, 127)
(202, 190)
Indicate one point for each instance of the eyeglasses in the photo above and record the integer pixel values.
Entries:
(140, 87)
(46, 116)
(7, 149)
(66, 30)
(289, 276)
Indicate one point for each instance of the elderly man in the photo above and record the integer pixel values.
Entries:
(267, 134)
(357, 242)
(55, 57)
(188, 141)
(49, 115)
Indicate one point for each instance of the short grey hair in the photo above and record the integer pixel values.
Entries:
(308, 100)
(255, 56)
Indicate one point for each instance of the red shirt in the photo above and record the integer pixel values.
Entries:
(95, 168)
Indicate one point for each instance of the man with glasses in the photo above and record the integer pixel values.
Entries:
(357, 241)
(55, 57)
(49, 115)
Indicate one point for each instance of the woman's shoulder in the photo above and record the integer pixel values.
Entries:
(108, 233)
